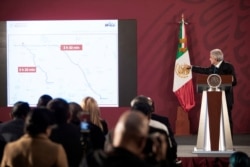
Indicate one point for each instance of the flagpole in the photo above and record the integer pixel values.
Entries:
(183, 37)
(182, 19)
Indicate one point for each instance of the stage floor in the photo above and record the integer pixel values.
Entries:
(187, 143)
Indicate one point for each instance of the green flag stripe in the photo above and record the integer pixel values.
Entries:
(179, 53)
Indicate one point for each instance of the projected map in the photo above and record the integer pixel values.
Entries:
(71, 60)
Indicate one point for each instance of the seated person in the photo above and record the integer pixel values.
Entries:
(145, 105)
(92, 137)
(13, 129)
(66, 133)
(35, 149)
(89, 105)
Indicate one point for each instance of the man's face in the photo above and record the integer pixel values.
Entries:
(213, 60)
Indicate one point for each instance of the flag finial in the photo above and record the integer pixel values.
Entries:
(182, 19)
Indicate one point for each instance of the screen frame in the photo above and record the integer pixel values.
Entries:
(127, 62)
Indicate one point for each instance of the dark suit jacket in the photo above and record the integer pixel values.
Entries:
(12, 130)
(117, 157)
(68, 135)
(165, 121)
(172, 148)
(95, 137)
(224, 69)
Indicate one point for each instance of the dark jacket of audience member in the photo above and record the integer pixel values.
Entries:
(157, 123)
(66, 134)
(165, 121)
(35, 149)
(13, 129)
(92, 136)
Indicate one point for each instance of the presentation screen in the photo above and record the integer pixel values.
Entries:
(71, 59)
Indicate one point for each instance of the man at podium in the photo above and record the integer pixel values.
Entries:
(220, 67)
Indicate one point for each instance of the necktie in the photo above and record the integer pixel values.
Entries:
(215, 70)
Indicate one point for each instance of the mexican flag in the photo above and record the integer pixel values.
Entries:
(183, 84)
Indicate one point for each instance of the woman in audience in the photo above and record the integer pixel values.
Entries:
(75, 112)
(34, 148)
(66, 133)
(90, 105)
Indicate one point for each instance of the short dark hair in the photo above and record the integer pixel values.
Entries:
(43, 100)
(60, 108)
(143, 103)
(20, 109)
(38, 120)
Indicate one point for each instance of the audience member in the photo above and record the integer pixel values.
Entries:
(96, 125)
(129, 138)
(164, 120)
(92, 137)
(43, 100)
(90, 105)
(66, 133)
(75, 112)
(34, 148)
(13, 129)
(157, 123)
(239, 159)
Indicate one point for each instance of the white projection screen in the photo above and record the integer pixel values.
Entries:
(70, 59)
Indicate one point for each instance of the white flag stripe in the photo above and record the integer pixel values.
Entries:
(178, 81)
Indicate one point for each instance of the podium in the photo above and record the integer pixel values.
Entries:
(214, 133)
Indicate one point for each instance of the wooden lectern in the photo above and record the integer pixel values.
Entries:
(214, 133)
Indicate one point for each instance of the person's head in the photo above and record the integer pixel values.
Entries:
(43, 100)
(239, 159)
(143, 104)
(131, 131)
(75, 111)
(38, 121)
(20, 110)
(89, 105)
(60, 109)
(216, 55)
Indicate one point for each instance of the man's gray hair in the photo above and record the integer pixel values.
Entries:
(218, 54)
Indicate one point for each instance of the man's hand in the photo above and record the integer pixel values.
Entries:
(187, 66)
